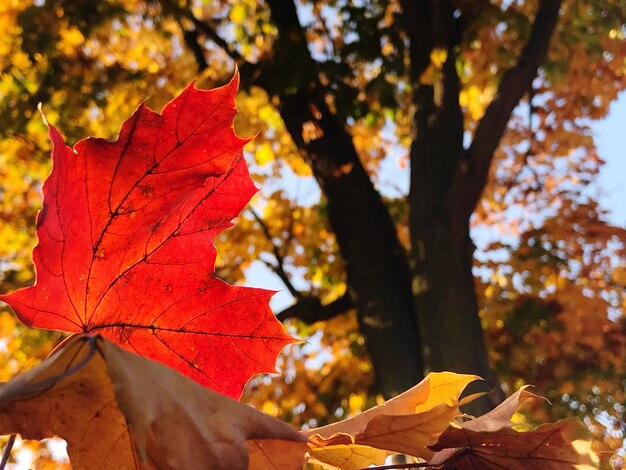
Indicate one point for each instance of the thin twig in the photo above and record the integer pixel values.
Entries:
(528, 156)
(191, 36)
(318, 14)
(279, 269)
(399, 466)
(7, 451)
(211, 33)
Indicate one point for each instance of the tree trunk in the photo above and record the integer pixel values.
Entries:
(445, 297)
(446, 183)
(442, 251)
(377, 270)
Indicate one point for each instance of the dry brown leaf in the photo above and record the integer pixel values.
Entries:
(276, 454)
(500, 417)
(70, 395)
(405, 424)
(408, 434)
(559, 446)
(118, 410)
(490, 442)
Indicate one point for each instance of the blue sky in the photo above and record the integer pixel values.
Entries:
(610, 135)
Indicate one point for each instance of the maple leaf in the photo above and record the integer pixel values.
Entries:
(118, 410)
(126, 243)
(490, 442)
(561, 445)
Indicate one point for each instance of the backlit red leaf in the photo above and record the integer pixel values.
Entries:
(126, 243)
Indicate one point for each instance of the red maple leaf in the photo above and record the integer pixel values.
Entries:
(126, 243)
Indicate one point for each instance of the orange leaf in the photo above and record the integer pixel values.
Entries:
(562, 445)
(489, 442)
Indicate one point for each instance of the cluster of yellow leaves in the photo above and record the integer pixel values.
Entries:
(325, 379)
(272, 145)
(252, 31)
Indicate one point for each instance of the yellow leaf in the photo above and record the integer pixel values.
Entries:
(445, 388)
(405, 424)
(70, 39)
(264, 154)
(348, 457)
(438, 56)
(238, 13)
(356, 402)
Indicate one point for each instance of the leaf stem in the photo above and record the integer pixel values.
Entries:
(7, 451)
(397, 466)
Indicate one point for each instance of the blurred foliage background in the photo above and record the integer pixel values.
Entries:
(550, 270)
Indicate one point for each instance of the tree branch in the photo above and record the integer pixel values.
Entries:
(310, 309)
(248, 71)
(191, 39)
(472, 172)
(191, 36)
(209, 31)
(279, 269)
(532, 138)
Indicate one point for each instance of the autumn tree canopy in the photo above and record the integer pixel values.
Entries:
(483, 107)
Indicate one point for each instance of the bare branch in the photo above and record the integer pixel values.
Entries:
(310, 309)
(209, 31)
(183, 17)
(473, 170)
(279, 268)
(248, 71)
(317, 11)
(532, 138)
(191, 39)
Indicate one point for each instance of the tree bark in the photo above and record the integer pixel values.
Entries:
(446, 184)
(378, 273)
(442, 252)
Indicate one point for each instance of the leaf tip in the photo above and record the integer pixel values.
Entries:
(236, 79)
(43, 115)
